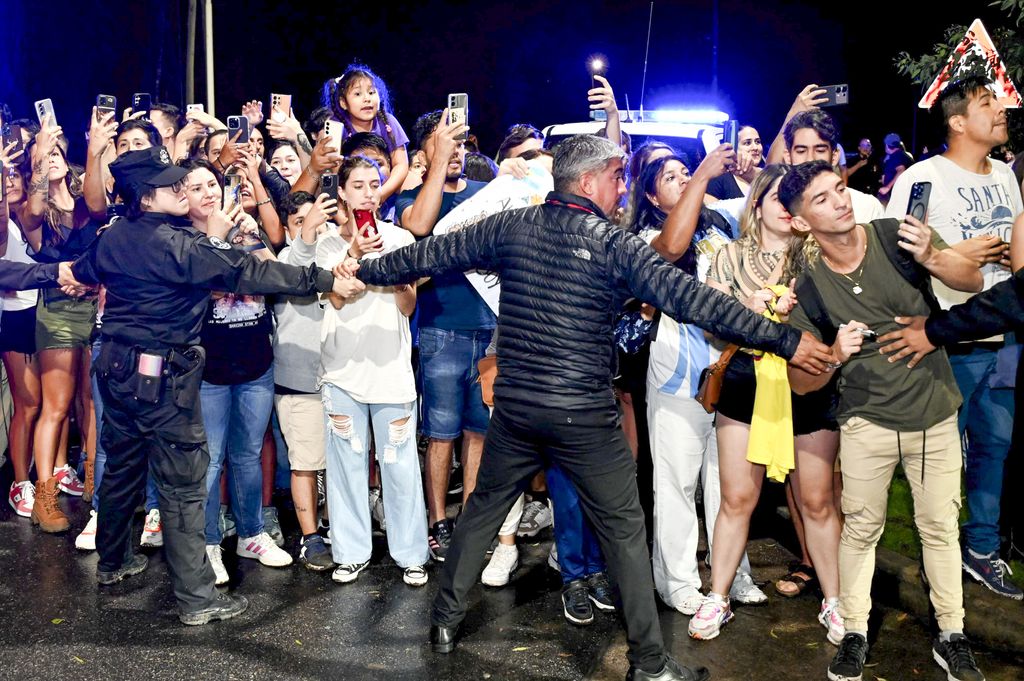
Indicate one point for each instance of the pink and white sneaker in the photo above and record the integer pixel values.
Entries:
(710, 617)
(22, 498)
(262, 548)
(833, 621)
(68, 482)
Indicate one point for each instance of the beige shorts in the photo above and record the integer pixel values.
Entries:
(302, 424)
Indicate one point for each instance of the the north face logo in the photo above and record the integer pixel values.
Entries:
(581, 253)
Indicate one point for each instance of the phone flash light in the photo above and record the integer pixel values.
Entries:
(597, 66)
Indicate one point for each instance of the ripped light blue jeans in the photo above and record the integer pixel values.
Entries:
(348, 471)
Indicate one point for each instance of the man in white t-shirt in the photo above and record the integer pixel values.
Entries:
(974, 200)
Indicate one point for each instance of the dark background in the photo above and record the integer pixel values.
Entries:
(519, 61)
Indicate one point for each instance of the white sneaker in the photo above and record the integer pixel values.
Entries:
(22, 498)
(213, 553)
(710, 617)
(536, 516)
(689, 602)
(262, 548)
(86, 541)
(833, 621)
(415, 575)
(504, 561)
(743, 590)
(152, 530)
(68, 482)
(377, 509)
(553, 558)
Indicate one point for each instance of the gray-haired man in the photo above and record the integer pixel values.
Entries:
(565, 273)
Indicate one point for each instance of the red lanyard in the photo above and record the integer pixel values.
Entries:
(556, 202)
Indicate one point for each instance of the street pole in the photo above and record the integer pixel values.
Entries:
(208, 43)
(190, 54)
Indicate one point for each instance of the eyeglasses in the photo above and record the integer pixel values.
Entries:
(178, 186)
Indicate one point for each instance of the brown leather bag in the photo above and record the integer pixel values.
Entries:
(710, 387)
(488, 370)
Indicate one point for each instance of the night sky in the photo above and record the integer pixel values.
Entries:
(522, 61)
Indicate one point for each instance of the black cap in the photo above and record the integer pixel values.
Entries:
(151, 167)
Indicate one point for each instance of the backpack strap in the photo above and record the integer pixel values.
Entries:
(916, 275)
(812, 304)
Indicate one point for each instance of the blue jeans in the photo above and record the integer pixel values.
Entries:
(282, 468)
(986, 418)
(235, 418)
(451, 391)
(101, 455)
(348, 474)
(579, 553)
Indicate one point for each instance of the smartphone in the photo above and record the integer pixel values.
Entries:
(329, 185)
(194, 107)
(44, 108)
(142, 101)
(458, 110)
(366, 222)
(232, 190)
(280, 106)
(332, 129)
(236, 124)
(837, 95)
(3, 184)
(105, 104)
(14, 135)
(920, 192)
(731, 134)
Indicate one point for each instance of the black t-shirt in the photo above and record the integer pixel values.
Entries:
(237, 336)
(865, 178)
(725, 187)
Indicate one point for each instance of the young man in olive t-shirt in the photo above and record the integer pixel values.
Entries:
(887, 412)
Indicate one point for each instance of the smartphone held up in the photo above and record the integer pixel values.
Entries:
(458, 110)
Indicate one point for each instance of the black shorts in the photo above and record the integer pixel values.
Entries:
(811, 412)
(18, 331)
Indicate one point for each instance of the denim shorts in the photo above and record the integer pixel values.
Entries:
(452, 402)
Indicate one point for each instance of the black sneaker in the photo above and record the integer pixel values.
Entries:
(991, 571)
(671, 671)
(455, 483)
(224, 607)
(956, 658)
(576, 602)
(137, 564)
(315, 555)
(600, 592)
(848, 664)
(439, 539)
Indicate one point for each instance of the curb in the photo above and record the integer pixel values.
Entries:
(898, 581)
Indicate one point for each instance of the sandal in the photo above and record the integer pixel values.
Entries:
(801, 578)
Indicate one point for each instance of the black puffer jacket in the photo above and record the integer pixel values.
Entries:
(565, 273)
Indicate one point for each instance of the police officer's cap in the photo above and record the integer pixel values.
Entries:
(146, 168)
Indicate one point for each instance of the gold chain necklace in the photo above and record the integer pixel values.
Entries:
(855, 279)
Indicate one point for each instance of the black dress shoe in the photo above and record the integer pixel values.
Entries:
(442, 639)
(224, 607)
(671, 671)
(134, 566)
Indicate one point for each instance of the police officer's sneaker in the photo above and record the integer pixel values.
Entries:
(848, 663)
(576, 602)
(216, 557)
(314, 554)
(992, 572)
(137, 564)
(152, 530)
(956, 658)
(68, 482)
(224, 607)
(671, 671)
(262, 548)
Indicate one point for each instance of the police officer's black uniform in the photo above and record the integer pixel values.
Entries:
(159, 271)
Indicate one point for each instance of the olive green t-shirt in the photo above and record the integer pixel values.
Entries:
(888, 395)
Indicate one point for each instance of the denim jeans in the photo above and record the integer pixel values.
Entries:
(450, 387)
(579, 553)
(348, 473)
(986, 419)
(235, 418)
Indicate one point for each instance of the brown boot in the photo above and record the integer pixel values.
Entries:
(46, 512)
(90, 478)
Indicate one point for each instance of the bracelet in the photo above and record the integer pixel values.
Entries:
(220, 164)
(263, 202)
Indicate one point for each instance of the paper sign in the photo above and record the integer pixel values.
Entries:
(976, 45)
(503, 193)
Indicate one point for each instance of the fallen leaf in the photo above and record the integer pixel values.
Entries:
(77, 659)
(298, 642)
(520, 649)
(56, 620)
(565, 654)
(772, 633)
(900, 617)
(812, 644)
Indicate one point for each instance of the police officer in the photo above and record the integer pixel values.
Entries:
(158, 271)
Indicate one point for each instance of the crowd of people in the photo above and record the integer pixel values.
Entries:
(308, 308)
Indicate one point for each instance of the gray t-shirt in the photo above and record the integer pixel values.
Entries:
(297, 337)
(886, 394)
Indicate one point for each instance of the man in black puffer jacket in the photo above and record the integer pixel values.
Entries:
(565, 273)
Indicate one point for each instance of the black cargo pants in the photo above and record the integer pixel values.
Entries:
(164, 439)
